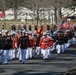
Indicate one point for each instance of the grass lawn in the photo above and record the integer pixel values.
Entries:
(44, 22)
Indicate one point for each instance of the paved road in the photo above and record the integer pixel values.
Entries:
(57, 65)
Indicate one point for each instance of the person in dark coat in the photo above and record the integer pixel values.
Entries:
(23, 43)
(0, 48)
(59, 40)
(37, 44)
(24, 27)
(6, 46)
(35, 29)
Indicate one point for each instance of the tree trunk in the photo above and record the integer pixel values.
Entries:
(15, 14)
(55, 10)
(60, 14)
(37, 13)
(37, 18)
(49, 16)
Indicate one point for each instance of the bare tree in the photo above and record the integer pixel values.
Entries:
(37, 6)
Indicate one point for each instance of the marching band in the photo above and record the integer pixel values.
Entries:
(26, 45)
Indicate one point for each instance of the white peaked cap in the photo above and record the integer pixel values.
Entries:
(33, 34)
(0, 32)
(6, 31)
(13, 32)
(68, 19)
(29, 32)
(44, 33)
(23, 31)
(26, 32)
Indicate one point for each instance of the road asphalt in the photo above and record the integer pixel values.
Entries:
(37, 66)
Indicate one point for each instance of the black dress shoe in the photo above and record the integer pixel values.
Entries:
(23, 63)
(9, 59)
(46, 59)
(0, 63)
(5, 63)
(13, 59)
(20, 61)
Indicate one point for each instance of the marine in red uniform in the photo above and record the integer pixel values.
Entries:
(44, 46)
(14, 47)
(68, 24)
(31, 46)
(19, 50)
